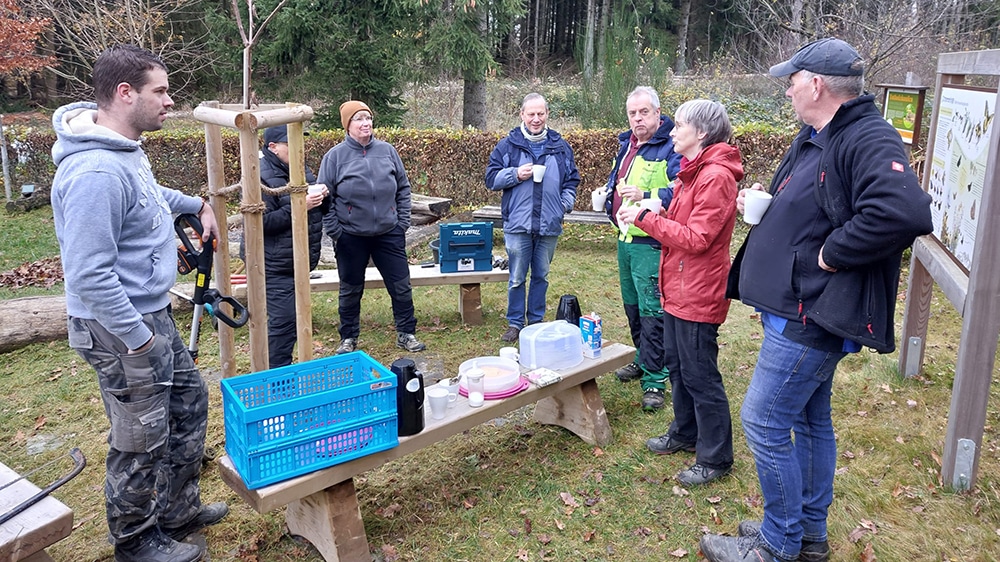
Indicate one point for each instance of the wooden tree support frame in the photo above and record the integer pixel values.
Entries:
(248, 122)
(976, 295)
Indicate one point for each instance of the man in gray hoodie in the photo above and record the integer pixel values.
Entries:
(113, 222)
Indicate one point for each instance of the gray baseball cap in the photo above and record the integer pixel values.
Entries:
(829, 56)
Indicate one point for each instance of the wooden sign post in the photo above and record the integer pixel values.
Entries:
(962, 255)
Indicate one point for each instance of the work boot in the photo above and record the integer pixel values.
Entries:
(720, 548)
(347, 345)
(209, 515)
(511, 334)
(810, 551)
(700, 474)
(652, 400)
(409, 342)
(629, 372)
(154, 546)
(667, 445)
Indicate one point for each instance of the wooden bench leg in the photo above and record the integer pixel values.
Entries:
(40, 556)
(470, 303)
(331, 521)
(578, 409)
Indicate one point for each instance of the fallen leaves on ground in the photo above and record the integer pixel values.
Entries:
(568, 499)
(679, 553)
(868, 554)
(42, 273)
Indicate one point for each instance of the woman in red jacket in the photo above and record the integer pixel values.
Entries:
(695, 232)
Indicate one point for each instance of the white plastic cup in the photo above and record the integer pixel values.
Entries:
(438, 398)
(598, 197)
(315, 189)
(510, 353)
(755, 204)
(538, 172)
(654, 204)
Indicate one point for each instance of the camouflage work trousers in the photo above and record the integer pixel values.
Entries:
(157, 404)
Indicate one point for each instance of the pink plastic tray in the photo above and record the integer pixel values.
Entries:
(523, 384)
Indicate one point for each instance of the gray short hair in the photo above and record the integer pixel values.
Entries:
(708, 117)
(532, 97)
(841, 86)
(646, 90)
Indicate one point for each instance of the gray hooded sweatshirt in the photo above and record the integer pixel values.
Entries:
(114, 225)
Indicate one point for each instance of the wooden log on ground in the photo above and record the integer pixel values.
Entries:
(427, 205)
(32, 320)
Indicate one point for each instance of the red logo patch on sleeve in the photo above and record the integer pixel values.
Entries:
(897, 167)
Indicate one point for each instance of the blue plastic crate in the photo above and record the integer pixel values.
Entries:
(293, 420)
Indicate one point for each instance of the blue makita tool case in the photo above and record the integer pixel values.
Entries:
(466, 246)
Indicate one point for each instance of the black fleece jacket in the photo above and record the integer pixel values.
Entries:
(873, 200)
(278, 258)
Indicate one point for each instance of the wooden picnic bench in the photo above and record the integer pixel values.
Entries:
(323, 505)
(26, 536)
(470, 303)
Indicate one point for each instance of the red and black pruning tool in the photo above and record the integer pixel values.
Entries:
(194, 255)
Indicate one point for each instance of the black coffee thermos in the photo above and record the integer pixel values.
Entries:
(409, 397)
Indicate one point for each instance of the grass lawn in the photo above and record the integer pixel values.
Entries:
(512, 490)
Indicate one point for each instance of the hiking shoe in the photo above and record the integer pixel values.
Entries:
(209, 515)
(629, 372)
(652, 400)
(700, 474)
(409, 342)
(347, 345)
(810, 551)
(720, 548)
(511, 334)
(667, 445)
(154, 546)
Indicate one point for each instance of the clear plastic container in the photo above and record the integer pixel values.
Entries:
(555, 345)
(477, 391)
(500, 373)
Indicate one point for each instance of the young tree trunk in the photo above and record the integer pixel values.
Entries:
(602, 38)
(588, 44)
(474, 103)
(680, 65)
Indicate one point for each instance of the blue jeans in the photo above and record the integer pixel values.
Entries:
(790, 392)
(524, 251)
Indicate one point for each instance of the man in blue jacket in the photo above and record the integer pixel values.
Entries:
(644, 167)
(532, 206)
(822, 267)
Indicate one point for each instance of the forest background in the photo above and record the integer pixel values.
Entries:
(323, 52)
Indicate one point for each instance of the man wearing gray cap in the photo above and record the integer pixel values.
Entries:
(822, 267)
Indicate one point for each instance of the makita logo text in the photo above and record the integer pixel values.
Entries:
(465, 233)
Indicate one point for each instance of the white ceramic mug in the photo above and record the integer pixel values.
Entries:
(598, 197)
(538, 172)
(755, 204)
(438, 398)
(452, 390)
(510, 353)
(654, 204)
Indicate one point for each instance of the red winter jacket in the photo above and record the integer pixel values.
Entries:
(695, 232)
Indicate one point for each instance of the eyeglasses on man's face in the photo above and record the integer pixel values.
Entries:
(361, 118)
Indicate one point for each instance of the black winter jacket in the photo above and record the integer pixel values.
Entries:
(278, 257)
(873, 199)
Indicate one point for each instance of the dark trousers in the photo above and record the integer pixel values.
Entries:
(157, 404)
(701, 408)
(388, 251)
(281, 330)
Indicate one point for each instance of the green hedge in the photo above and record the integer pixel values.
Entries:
(442, 162)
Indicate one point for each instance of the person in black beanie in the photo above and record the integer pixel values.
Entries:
(278, 257)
